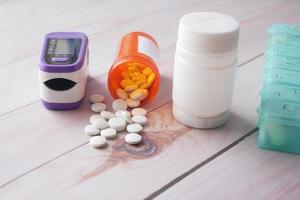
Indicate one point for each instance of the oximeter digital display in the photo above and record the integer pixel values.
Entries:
(63, 70)
(62, 51)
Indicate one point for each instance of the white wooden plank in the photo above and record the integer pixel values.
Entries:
(84, 172)
(243, 172)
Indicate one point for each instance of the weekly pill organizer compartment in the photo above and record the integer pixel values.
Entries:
(280, 126)
(279, 112)
(279, 62)
(279, 122)
(280, 92)
(282, 76)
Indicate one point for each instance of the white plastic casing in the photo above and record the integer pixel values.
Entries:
(204, 69)
(74, 94)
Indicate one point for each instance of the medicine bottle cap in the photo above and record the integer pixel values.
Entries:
(208, 33)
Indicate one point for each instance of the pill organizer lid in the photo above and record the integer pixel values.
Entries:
(282, 63)
(279, 121)
(281, 76)
(280, 109)
(287, 29)
(279, 113)
(280, 92)
(280, 50)
(44, 66)
(208, 33)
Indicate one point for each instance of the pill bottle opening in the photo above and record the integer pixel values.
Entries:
(121, 67)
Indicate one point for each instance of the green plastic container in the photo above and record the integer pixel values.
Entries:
(280, 135)
(279, 126)
(279, 111)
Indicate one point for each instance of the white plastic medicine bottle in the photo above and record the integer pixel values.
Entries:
(204, 69)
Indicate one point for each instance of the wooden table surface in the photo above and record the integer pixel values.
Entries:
(45, 154)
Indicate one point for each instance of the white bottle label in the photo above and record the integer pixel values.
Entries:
(147, 47)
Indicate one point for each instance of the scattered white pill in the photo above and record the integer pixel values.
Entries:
(119, 104)
(93, 117)
(121, 94)
(108, 133)
(98, 107)
(139, 111)
(96, 98)
(133, 138)
(117, 123)
(134, 128)
(140, 119)
(98, 141)
(107, 115)
(124, 114)
(132, 103)
(91, 130)
(100, 123)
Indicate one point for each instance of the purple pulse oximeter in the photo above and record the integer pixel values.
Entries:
(63, 70)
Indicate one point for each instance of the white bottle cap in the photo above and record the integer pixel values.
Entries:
(208, 33)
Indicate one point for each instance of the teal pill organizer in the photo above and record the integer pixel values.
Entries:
(279, 111)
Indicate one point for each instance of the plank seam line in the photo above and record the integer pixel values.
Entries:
(198, 166)
(81, 145)
(18, 108)
(251, 60)
(39, 166)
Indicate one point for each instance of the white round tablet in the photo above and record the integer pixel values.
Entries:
(133, 138)
(139, 111)
(124, 114)
(119, 104)
(98, 141)
(91, 130)
(96, 98)
(100, 123)
(140, 119)
(93, 117)
(117, 123)
(108, 133)
(134, 128)
(98, 107)
(107, 115)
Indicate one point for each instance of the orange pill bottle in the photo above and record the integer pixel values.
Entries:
(136, 52)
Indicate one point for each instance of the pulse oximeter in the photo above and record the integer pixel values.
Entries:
(63, 70)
